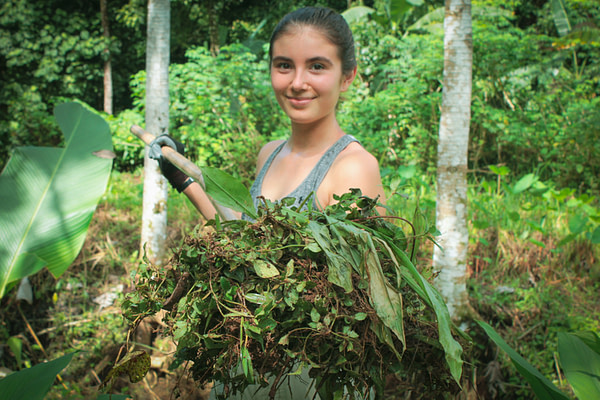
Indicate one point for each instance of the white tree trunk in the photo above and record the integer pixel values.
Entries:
(108, 88)
(154, 216)
(451, 208)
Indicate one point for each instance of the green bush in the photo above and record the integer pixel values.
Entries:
(31, 124)
(221, 108)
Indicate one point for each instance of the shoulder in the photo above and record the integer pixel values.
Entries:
(354, 159)
(265, 152)
(355, 167)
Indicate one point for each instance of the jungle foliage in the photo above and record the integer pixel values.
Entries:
(534, 99)
(535, 93)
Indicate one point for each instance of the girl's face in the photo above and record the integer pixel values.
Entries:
(306, 75)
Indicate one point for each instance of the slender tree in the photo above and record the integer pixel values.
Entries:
(451, 209)
(108, 88)
(154, 215)
(213, 27)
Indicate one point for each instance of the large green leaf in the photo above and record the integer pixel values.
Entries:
(397, 8)
(542, 387)
(387, 300)
(33, 383)
(357, 13)
(48, 196)
(349, 247)
(339, 273)
(452, 348)
(524, 183)
(228, 191)
(579, 356)
(561, 20)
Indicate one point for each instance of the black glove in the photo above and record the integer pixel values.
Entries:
(176, 178)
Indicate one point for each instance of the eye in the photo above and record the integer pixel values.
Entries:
(282, 65)
(317, 66)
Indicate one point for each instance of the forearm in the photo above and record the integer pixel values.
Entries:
(202, 202)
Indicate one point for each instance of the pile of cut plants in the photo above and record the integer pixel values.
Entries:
(330, 295)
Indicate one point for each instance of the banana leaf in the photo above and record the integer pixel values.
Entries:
(48, 196)
(33, 383)
(579, 355)
(561, 19)
(541, 386)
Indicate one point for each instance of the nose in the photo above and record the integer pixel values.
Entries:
(299, 80)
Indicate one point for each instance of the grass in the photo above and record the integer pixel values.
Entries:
(526, 280)
(533, 274)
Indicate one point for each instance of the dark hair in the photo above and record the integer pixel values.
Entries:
(330, 23)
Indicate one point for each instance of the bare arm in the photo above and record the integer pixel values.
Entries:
(202, 202)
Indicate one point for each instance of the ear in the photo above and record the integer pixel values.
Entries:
(348, 78)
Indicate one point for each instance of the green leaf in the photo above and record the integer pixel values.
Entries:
(499, 170)
(569, 238)
(580, 361)
(563, 194)
(357, 13)
(360, 316)
(452, 348)
(430, 295)
(542, 387)
(265, 269)
(387, 301)
(228, 191)
(514, 216)
(577, 223)
(591, 339)
(33, 383)
(432, 18)
(524, 183)
(561, 20)
(399, 7)
(246, 361)
(314, 315)
(339, 270)
(15, 345)
(135, 365)
(49, 195)
(255, 298)
(595, 236)
(537, 243)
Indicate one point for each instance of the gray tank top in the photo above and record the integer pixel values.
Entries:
(312, 182)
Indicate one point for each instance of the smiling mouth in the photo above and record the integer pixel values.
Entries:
(300, 101)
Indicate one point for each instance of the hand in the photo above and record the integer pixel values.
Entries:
(176, 178)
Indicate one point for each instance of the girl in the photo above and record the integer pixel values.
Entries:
(312, 62)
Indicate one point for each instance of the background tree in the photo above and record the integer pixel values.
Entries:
(154, 214)
(108, 89)
(55, 50)
(451, 208)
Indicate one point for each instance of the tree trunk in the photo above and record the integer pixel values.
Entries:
(213, 27)
(451, 208)
(108, 89)
(154, 216)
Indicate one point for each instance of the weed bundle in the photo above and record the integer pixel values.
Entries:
(331, 293)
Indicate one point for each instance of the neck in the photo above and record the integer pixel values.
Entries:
(314, 138)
